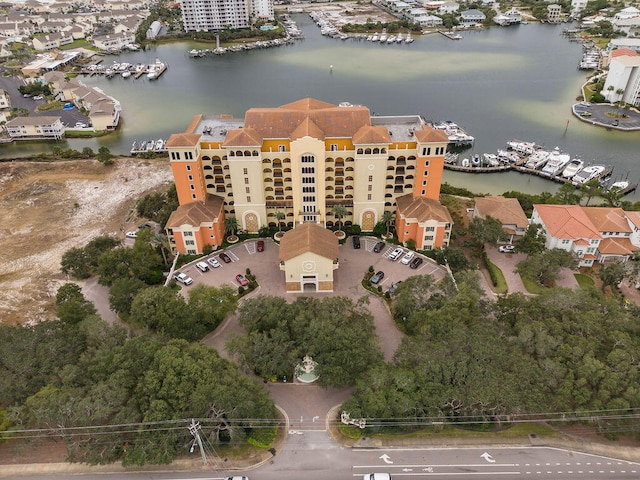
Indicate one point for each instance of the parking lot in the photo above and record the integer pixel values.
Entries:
(607, 116)
(354, 263)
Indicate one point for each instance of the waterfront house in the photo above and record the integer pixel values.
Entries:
(569, 228)
(578, 5)
(304, 158)
(105, 114)
(554, 13)
(308, 257)
(616, 230)
(113, 42)
(507, 211)
(35, 128)
(472, 17)
(449, 7)
(51, 41)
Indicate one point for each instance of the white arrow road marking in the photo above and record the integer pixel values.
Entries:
(488, 457)
(386, 458)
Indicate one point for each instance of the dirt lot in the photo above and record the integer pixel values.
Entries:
(48, 208)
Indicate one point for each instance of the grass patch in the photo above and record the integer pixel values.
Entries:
(585, 282)
(532, 286)
(350, 431)
(514, 431)
(501, 283)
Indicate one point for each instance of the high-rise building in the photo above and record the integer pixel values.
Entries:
(294, 163)
(212, 15)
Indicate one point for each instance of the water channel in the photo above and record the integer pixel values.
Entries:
(499, 84)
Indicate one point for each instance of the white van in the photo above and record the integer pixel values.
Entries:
(203, 267)
(396, 254)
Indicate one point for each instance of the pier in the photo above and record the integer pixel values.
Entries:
(148, 146)
(450, 35)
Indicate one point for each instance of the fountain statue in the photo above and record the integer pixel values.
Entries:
(306, 371)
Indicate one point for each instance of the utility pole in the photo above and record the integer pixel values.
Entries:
(194, 430)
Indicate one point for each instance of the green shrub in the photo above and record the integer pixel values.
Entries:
(263, 437)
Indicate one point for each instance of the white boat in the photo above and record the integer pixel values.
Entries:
(465, 162)
(491, 159)
(409, 39)
(621, 185)
(538, 159)
(375, 37)
(391, 39)
(159, 144)
(369, 38)
(399, 38)
(508, 157)
(126, 74)
(150, 145)
(557, 161)
(525, 148)
(588, 173)
(383, 36)
(573, 167)
(475, 160)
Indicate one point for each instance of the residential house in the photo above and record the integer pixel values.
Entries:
(51, 41)
(616, 231)
(569, 228)
(554, 13)
(449, 7)
(35, 128)
(472, 17)
(113, 42)
(105, 114)
(507, 211)
(308, 256)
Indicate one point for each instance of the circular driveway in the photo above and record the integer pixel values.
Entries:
(606, 115)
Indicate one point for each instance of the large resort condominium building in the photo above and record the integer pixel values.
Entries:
(214, 15)
(293, 164)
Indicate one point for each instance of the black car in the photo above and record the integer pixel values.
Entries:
(356, 242)
(377, 278)
(379, 246)
(415, 263)
(225, 258)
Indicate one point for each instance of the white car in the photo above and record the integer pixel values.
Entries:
(507, 249)
(407, 257)
(38, 97)
(396, 254)
(203, 267)
(131, 234)
(183, 278)
(213, 262)
(377, 476)
(81, 125)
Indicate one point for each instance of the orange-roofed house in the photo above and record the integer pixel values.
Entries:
(616, 231)
(507, 211)
(308, 257)
(306, 157)
(569, 228)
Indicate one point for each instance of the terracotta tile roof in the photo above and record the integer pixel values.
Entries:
(422, 209)
(309, 237)
(368, 135)
(183, 140)
(281, 122)
(197, 213)
(616, 246)
(307, 129)
(619, 52)
(428, 134)
(608, 219)
(507, 210)
(634, 218)
(194, 124)
(242, 137)
(566, 221)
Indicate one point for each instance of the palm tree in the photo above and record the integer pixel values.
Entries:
(279, 217)
(339, 211)
(230, 225)
(619, 93)
(591, 189)
(610, 88)
(160, 240)
(387, 218)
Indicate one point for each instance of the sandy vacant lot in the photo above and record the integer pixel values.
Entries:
(48, 208)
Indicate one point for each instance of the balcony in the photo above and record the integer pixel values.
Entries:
(346, 202)
(279, 203)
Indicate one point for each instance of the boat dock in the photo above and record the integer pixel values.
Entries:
(450, 35)
(126, 70)
(148, 146)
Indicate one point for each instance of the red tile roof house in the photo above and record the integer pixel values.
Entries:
(569, 228)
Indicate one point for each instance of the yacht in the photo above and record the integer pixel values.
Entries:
(126, 74)
(391, 39)
(409, 39)
(557, 161)
(383, 36)
(621, 185)
(159, 144)
(375, 37)
(491, 159)
(399, 38)
(573, 167)
(588, 173)
(538, 159)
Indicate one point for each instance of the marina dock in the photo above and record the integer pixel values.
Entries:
(126, 70)
(149, 146)
(450, 35)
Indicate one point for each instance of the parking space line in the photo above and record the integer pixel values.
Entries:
(232, 256)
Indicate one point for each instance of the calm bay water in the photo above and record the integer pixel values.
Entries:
(498, 84)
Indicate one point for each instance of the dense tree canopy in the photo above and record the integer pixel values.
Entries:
(337, 333)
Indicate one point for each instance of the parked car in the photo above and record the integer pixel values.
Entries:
(203, 267)
(377, 476)
(260, 245)
(356, 241)
(396, 254)
(379, 246)
(81, 125)
(225, 258)
(131, 234)
(507, 249)
(183, 278)
(213, 262)
(394, 287)
(237, 477)
(407, 257)
(415, 263)
(242, 280)
(377, 277)
(38, 97)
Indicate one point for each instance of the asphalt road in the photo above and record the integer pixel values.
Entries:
(607, 116)
(313, 456)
